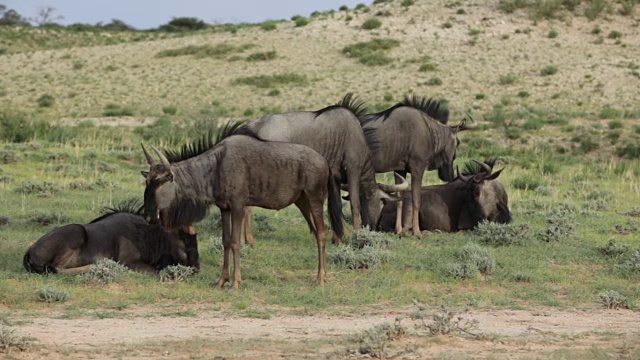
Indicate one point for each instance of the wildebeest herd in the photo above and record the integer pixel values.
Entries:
(301, 158)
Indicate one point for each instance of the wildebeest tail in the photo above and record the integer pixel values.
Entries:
(334, 206)
(33, 267)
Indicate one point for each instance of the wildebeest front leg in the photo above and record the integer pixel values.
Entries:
(226, 243)
(247, 228)
(399, 203)
(416, 185)
(313, 214)
(237, 219)
(354, 199)
(189, 236)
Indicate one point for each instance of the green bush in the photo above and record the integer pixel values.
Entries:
(427, 67)
(262, 56)
(170, 109)
(631, 151)
(46, 219)
(372, 53)
(471, 259)
(105, 271)
(365, 251)
(270, 81)
(434, 81)
(594, 8)
(613, 300)
(407, 3)
(527, 182)
(560, 223)
(174, 273)
(183, 24)
(552, 34)
(15, 127)
(371, 23)
(549, 70)
(615, 124)
(614, 35)
(510, 6)
(507, 79)
(46, 100)
(117, 110)
(301, 21)
(52, 294)
(372, 342)
(268, 25)
(202, 51)
(40, 188)
(492, 233)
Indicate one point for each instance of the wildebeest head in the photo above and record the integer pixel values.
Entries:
(160, 190)
(383, 194)
(443, 161)
(490, 198)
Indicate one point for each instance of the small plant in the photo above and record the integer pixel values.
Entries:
(301, 21)
(374, 341)
(552, 34)
(447, 25)
(613, 300)
(371, 23)
(268, 25)
(594, 9)
(596, 30)
(372, 52)
(46, 100)
(105, 271)
(444, 322)
(527, 182)
(39, 188)
(507, 79)
(262, 56)
(117, 110)
(9, 340)
(174, 273)
(427, 67)
(4, 220)
(270, 81)
(77, 65)
(614, 35)
(492, 233)
(631, 266)
(523, 94)
(434, 81)
(46, 219)
(8, 157)
(480, 96)
(170, 110)
(471, 259)
(613, 249)
(273, 92)
(549, 70)
(615, 124)
(629, 227)
(560, 223)
(365, 251)
(407, 3)
(52, 294)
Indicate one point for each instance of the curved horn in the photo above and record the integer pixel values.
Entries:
(150, 159)
(487, 169)
(463, 124)
(163, 158)
(404, 185)
(465, 178)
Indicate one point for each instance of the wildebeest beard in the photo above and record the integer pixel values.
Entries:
(183, 212)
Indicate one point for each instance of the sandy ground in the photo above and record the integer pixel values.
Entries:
(502, 333)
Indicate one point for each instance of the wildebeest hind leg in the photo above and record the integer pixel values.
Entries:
(247, 228)
(226, 243)
(312, 211)
(76, 270)
(416, 186)
(237, 219)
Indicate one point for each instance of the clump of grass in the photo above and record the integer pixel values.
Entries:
(117, 110)
(374, 341)
(174, 273)
(372, 52)
(170, 109)
(523, 94)
(631, 266)
(371, 23)
(301, 21)
(39, 188)
(46, 219)
(8, 157)
(471, 259)
(613, 249)
(427, 66)
(614, 34)
(105, 271)
(492, 233)
(552, 34)
(262, 224)
(262, 56)
(560, 223)
(615, 124)
(594, 9)
(629, 227)
(613, 300)
(268, 25)
(4, 220)
(46, 100)
(9, 340)
(270, 81)
(444, 322)
(549, 70)
(407, 3)
(365, 251)
(434, 81)
(527, 182)
(508, 79)
(510, 6)
(202, 51)
(630, 151)
(51, 294)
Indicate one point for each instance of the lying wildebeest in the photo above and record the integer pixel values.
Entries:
(239, 171)
(475, 195)
(412, 136)
(122, 235)
(335, 133)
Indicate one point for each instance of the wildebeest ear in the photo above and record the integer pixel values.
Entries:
(145, 174)
(495, 175)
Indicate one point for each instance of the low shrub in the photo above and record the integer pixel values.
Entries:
(105, 271)
(301, 21)
(371, 23)
(527, 182)
(374, 341)
(270, 81)
(613, 249)
(46, 219)
(174, 273)
(39, 188)
(170, 109)
(46, 100)
(549, 70)
(8, 157)
(365, 251)
(372, 53)
(51, 294)
(560, 223)
(117, 110)
(613, 300)
(444, 322)
(492, 233)
(262, 56)
(471, 259)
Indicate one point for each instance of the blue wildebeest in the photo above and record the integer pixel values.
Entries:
(413, 136)
(239, 171)
(122, 235)
(335, 133)
(474, 196)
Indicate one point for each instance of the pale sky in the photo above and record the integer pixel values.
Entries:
(144, 14)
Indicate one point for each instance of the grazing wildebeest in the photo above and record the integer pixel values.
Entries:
(335, 133)
(475, 195)
(412, 136)
(239, 171)
(122, 235)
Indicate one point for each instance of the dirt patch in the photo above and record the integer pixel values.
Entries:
(499, 328)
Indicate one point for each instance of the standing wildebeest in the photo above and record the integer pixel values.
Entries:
(336, 134)
(236, 172)
(475, 195)
(122, 235)
(412, 136)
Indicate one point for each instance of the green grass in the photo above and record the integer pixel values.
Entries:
(372, 53)
(202, 51)
(269, 81)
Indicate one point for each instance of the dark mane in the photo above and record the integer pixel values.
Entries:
(202, 145)
(349, 102)
(129, 206)
(431, 107)
(184, 213)
(472, 168)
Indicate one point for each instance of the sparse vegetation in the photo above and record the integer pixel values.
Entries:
(508, 79)
(492, 233)
(613, 300)
(472, 259)
(262, 56)
(374, 341)
(105, 271)
(549, 70)
(176, 273)
(371, 23)
(372, 52)
(46, 100)
(51, 294)
(117, 110)
(170, 110)
(269, 81)
(446, 321)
